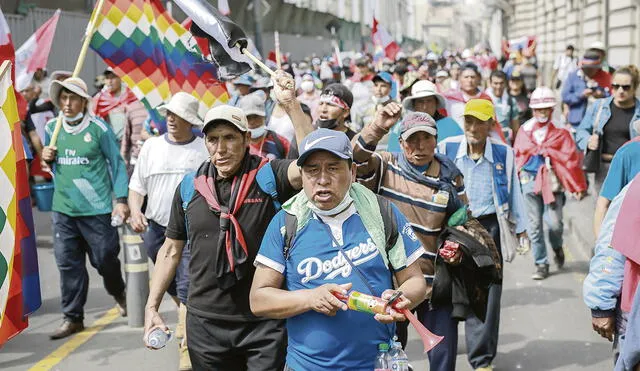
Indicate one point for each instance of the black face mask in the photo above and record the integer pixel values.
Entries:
(326, 124)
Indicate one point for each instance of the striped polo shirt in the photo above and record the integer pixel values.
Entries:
(426, 208)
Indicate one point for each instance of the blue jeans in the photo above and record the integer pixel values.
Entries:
(153, 238)
(540, 214)
(74, 238)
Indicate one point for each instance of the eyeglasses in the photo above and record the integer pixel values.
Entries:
(624, 87)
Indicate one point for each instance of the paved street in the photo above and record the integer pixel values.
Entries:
(545, 325)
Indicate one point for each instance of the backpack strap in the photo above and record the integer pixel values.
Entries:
(389, 221)
(187, 190)
(290, 230)
(267, 182)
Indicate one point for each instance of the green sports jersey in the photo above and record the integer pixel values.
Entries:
(88, 168)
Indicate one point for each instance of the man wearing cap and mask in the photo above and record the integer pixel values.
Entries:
(334, 109)
(264, 142)
(335, 220)
(223, 210)
(88, 170)
(383, 85)
(310, 95)
(161, 165)
(488, 164)
(265, 85)
(110, 102)
(426, 187)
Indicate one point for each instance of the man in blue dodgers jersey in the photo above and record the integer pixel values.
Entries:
(334, 217)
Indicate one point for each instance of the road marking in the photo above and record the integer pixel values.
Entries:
(77, 340)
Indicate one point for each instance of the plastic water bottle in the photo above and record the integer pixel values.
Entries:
(116, 220)
(158, 338)
(399, 360)
(382, 359)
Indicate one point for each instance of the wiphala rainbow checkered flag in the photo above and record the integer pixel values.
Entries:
(154, 55)
(19, 279)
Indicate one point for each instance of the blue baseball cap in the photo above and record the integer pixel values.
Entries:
(329, 140)
(384, 76)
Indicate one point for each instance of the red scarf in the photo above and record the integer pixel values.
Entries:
(105, 101)
(560, 148)
(233, 236)
(623, 240)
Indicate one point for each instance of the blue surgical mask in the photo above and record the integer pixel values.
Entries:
(258, 132)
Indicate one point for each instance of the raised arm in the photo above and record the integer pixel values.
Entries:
(364, 144)
(285, 91)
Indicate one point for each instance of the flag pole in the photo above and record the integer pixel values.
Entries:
(91, 28)
(276, 38)
(258, 62)
(6, 66)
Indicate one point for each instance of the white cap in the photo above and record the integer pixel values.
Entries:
(225, 112)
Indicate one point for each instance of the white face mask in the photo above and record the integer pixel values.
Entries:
(307, 86)
(381, 99)
(258, 132)
(542, 120)
(75, 118)
(342, 206)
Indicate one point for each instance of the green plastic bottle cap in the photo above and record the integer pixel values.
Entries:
(384, 347)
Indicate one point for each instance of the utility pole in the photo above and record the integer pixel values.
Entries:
(257, 18)
(363, 27)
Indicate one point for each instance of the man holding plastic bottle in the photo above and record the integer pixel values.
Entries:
(222, 210)
(335, 238)
(88, 169)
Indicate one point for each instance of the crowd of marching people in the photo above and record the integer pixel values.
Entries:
(414, 180)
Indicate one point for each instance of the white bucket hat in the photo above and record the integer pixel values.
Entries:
(73, 84)
(184, 105)
(421, 89)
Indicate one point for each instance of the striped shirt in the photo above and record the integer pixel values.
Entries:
(425, 207)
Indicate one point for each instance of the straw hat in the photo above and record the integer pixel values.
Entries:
(185, 106)
(73, 84)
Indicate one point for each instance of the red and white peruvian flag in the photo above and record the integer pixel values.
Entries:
(34, 53)
(381, 37)
(6, 44)
(7, 52)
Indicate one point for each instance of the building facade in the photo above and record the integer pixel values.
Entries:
(558, 23)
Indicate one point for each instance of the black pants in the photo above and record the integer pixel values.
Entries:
(235, 346)
(482, 338)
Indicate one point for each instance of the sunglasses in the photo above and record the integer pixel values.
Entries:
(624, 87)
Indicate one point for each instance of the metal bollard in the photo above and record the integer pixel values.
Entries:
(136, 268)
